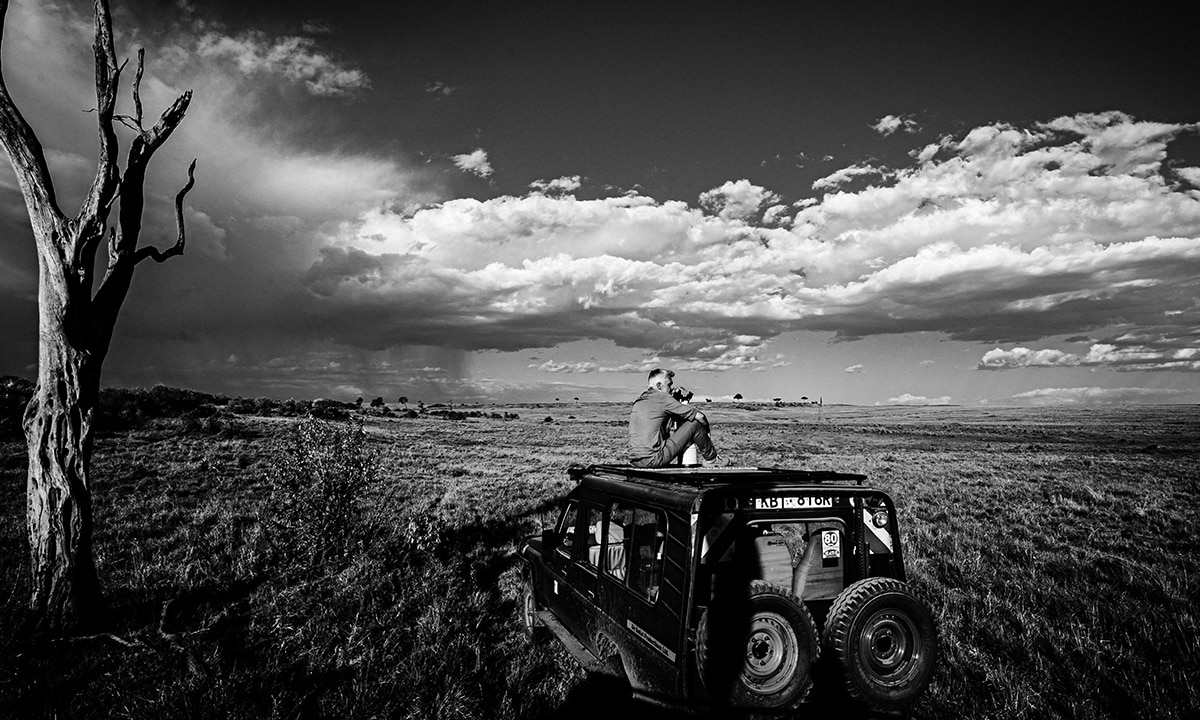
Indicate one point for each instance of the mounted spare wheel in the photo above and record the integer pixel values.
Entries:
(758, 650)
(884, 640)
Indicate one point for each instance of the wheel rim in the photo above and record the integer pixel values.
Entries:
(890, 646)
(771, 654)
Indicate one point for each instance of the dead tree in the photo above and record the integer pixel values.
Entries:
(76, 318)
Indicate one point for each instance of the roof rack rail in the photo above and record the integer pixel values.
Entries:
(703, 475)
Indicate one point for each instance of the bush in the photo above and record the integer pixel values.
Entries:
(126, 408)
(213, 420)
(323, 409)
(316, 487)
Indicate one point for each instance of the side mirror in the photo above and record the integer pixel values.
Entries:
(550, 539)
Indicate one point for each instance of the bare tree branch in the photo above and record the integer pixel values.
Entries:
(166, 125)
(25, 150)
(93, 213)
(128, 122)
(177, 249)
(137, 85)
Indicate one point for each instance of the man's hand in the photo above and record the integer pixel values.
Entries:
(701, 418)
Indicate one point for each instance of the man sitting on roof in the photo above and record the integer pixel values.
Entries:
(649, 442)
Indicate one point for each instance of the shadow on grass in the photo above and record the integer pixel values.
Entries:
(601, 697)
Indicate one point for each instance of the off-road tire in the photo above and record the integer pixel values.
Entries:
(778, 644)
(535, 631)
(883, 639)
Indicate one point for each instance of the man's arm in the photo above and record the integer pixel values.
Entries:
(677, 409)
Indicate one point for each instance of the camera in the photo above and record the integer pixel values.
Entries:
(682, 394)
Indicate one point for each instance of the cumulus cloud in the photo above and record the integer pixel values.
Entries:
(737, 200)
(908, 399)
(474, 162)
(841, 177)
(1191, 174)
(1019, 357)
(558, 186)
(1097, 395)
(294, 58)
(890, 124)
(854, 369)
(551, 366)
(1002, 234)
(1132, 354)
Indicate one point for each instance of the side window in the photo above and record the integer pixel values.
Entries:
(595, 538)
(635, 554)
(568, 528)
(616, 554)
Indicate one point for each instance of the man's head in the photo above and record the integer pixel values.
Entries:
(661, 380)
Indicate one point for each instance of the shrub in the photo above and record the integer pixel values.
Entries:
(126, 408)
(294, 408)
(212, 420)
(323, 409)
(316, 486)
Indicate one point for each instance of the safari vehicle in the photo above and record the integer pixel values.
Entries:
(721, 587)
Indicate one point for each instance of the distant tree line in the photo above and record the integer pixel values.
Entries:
(121, 409)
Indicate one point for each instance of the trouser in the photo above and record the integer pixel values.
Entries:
(689, 432)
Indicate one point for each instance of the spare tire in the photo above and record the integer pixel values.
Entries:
(884, 641)
(758, 653)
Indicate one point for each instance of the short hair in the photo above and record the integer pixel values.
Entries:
(657, 373)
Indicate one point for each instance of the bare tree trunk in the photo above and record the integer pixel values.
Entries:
(75, 326)
(58, 429)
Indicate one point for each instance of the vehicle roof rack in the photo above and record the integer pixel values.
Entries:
(717, 475)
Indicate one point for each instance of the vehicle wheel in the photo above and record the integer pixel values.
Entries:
(771, 640)
(530, 622)
(885, 642)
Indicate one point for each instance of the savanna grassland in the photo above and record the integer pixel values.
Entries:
(267, 567)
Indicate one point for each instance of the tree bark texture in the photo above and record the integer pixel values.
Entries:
(75, 327)
(58, 428)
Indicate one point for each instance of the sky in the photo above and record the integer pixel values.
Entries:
(862, 203)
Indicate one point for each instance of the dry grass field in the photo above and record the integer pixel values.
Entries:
(257, 568)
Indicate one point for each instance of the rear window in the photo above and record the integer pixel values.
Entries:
(805, 558)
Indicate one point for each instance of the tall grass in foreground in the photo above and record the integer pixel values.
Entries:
(264, 568)
(296, 585)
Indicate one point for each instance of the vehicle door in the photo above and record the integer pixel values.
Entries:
(569, 588)
(631, 594)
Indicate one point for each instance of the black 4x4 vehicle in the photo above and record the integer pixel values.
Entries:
(721, 587)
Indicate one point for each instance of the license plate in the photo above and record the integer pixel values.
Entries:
(789, 502)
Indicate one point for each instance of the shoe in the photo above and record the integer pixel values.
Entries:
(718, 461)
